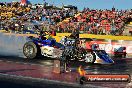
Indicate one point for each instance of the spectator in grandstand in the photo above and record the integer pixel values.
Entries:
(92, 21)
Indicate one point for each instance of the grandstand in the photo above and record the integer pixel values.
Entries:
(91, 23)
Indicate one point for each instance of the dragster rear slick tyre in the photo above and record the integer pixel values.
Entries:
(31, 50)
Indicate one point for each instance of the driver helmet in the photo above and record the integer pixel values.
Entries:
(96, 46)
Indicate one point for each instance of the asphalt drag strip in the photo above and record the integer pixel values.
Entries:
(33, 82)
(18, 73)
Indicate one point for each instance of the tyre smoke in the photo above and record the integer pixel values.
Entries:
(11, 45)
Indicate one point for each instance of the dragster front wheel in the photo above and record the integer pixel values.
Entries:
(90, 57)
(30, 50)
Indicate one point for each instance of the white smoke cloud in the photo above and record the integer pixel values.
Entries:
(11, 45)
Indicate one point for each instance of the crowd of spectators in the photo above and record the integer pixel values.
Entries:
(101, 21)
(13, 17)
(91, 21)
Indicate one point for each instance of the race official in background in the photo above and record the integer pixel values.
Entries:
(75, 34)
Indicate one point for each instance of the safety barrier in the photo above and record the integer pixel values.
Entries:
(59, 35)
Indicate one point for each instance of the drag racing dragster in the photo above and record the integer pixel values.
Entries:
(73, 51)
(67, 48)
(42, 46)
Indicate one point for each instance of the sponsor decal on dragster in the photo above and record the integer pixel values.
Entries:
(109, 48)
